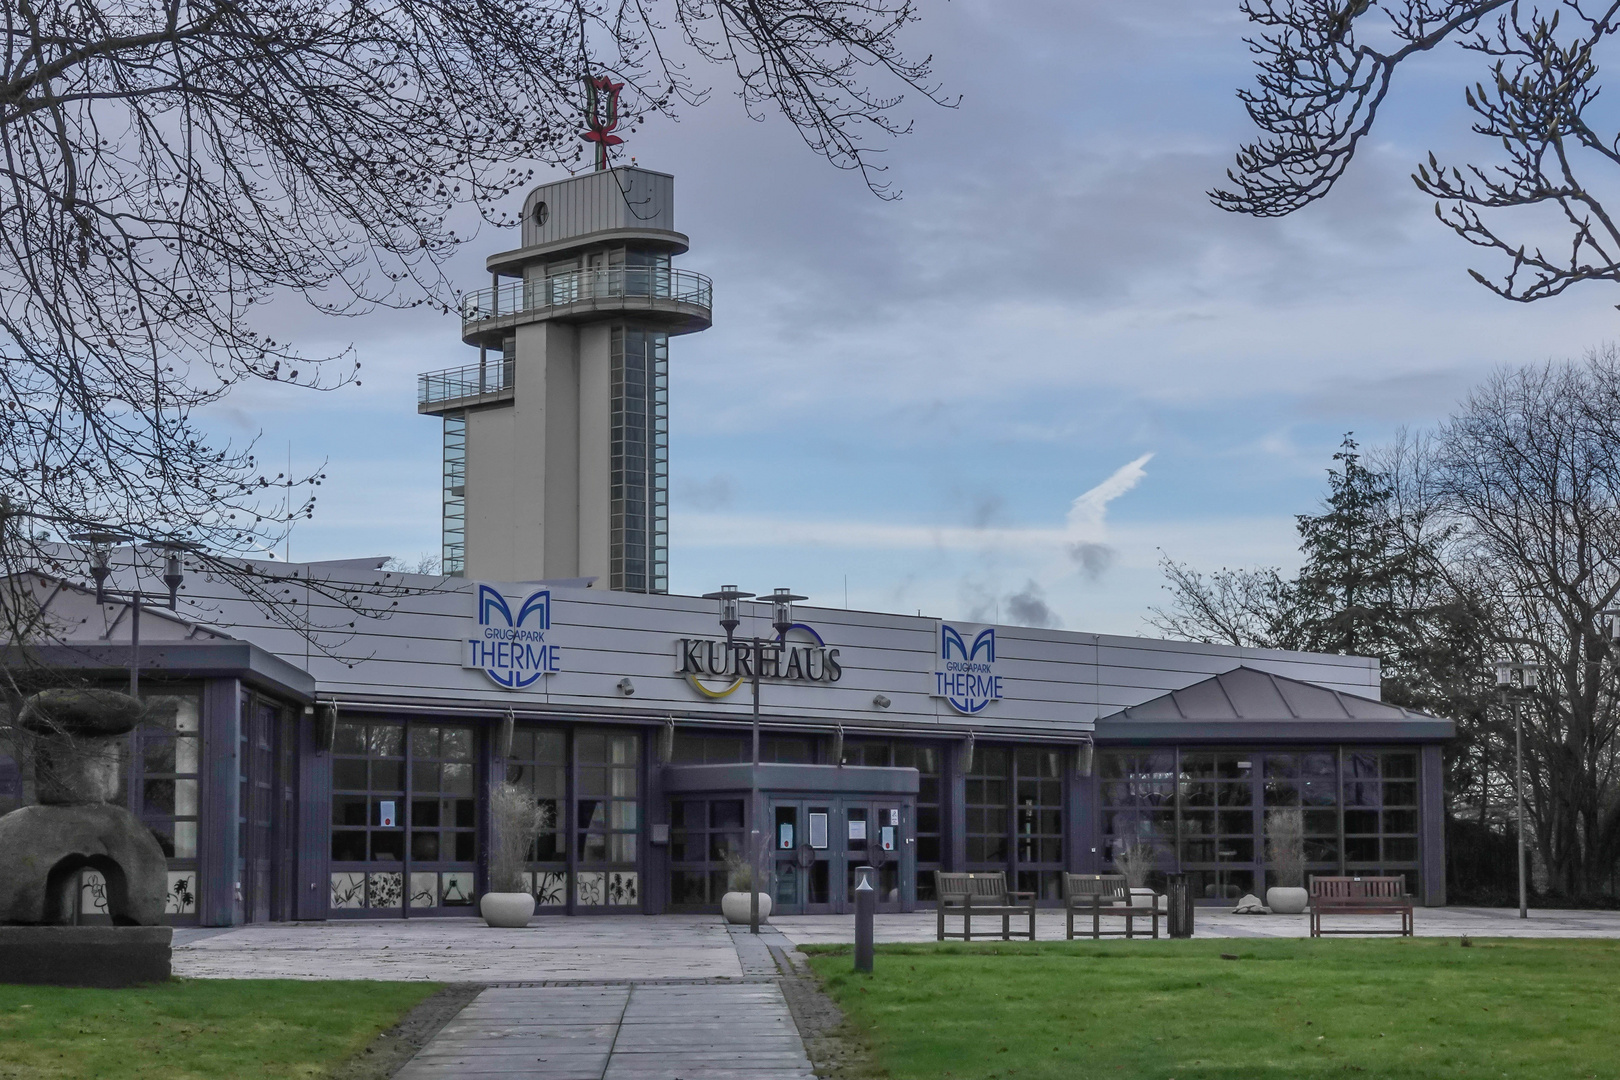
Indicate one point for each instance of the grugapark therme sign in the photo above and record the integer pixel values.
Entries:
(965, 667)
(512, 649)
(716, 670)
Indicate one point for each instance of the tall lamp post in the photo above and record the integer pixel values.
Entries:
(1516, 681)
(100, 569)
(728, 599)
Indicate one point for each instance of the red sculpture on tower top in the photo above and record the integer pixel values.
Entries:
(600, 128)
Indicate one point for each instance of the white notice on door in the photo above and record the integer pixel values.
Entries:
(887, 841)
(818, 830)
(857, 828)
(385, 813)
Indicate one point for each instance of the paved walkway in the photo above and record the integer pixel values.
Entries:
(639, 1031)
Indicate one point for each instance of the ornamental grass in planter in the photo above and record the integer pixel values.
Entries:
(735, 905)
(1285, 861)
(1135, 859)
(516, 820)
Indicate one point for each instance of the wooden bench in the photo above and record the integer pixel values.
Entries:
(968, 895)
(1359, 896)
(1105, 896)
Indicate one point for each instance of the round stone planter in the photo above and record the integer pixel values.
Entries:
(1287, 900)
(506, 909)
(734, 906)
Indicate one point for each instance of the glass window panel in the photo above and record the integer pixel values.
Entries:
(1400, 766)
(349, 738)
(1321, 851)
(386, 740)
(1198, 850)
(928, 819)
(1197, 794)
(1321, 764)
(425, 846)
(387, 845)
(623, 783)
(622, 848)
(457, 744)
(725, 813)
(1235, 794)
(1361, 793)
(1322, 822)
(348, 810)
(466, 812)
(458, 779)
(424, 741)
(1401, 848)
(349, 775)
(1197, 765)
(622, 815)
(388, 776)
(466, 846)
(1236, 849)
(592, 746)
(593, 847)
(1281, 766)
(1361, 849)
(927, 852)
(424, 776)
(1321, 792)
(1113, 766)
(1237, 821)
(185, 754)
(1361, 765)
(1198, 823)
(158, 753)
(1400, 821)
(425, 813)
(158, 798)
(623, 749)
(185, 798)
(592, 782)
(1281, 793)
(185, 840)
(591, 814)
(1400, 793)
(550, 747)
(1234, 766)
(348, 846)
(1361, 821)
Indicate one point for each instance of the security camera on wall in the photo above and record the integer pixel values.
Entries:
(626, 687)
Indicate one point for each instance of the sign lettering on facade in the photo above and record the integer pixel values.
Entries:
(512, 650)
(716, 670)
(965, 667)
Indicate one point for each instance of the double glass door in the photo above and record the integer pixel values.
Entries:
(818, 844)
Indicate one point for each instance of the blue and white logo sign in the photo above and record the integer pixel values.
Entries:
(512, 650)
(965, 667)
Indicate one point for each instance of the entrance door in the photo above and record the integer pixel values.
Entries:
(803, 862)
(818, 843)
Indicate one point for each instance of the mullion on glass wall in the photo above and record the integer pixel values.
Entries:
(607, 821)
(1038, 821)
(989, 809)
(161, 785)
(539, 764)
(705, 835)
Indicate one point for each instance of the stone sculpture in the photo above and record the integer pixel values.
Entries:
(74, 827)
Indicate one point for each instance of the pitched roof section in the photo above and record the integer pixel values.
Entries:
(1246, 703)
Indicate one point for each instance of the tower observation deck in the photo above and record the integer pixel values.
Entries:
(556, 442)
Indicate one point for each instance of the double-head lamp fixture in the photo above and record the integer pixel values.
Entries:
(1529, 677)
(729, 601)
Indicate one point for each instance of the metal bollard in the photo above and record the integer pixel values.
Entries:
(865, 906)
(1179, 916)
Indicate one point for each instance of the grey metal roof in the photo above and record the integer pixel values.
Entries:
(1248, 703)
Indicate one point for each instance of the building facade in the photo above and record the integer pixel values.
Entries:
(338, 764)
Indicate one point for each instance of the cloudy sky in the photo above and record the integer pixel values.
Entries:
(1005, 394)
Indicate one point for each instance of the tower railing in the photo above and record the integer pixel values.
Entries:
(597, 283)
(474, 380)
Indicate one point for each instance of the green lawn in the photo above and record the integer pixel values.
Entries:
(1284, 1010)
(189, 1029)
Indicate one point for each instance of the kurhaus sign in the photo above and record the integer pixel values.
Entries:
(965, 667)
(512, 649)
(716, 671)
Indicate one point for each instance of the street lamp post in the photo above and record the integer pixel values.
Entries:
(782, 600)
(100, 569)
(1515, 681)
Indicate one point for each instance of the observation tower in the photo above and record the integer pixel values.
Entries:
(556, 442)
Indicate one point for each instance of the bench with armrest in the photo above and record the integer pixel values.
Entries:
(968, 895)
(1105, 896)
(1359, 896)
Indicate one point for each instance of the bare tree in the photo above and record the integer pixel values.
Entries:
(1327, 67)
(1240, 607)
(170, 169)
